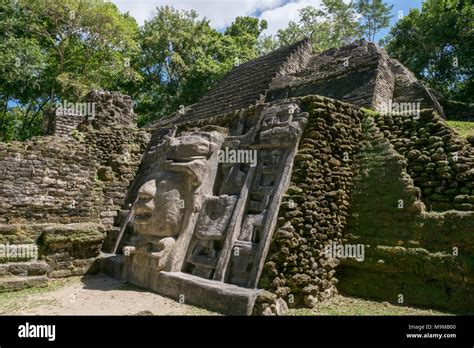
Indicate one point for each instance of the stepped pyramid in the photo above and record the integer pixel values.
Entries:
(298, 175)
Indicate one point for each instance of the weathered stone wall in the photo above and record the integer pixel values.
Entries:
(46, 180)
(61, 124)
(385, 82)
(64, 192)
(314, 208)
(358, 73)
(409, 90)
(113, 109)
(118, 153)
(440, 162)
(413, 256)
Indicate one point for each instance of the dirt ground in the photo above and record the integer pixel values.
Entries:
(92, 295)
(101, 295)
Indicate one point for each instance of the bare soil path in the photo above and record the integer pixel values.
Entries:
(92, 295)
(101, 295)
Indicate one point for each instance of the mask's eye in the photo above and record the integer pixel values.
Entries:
(147, 190)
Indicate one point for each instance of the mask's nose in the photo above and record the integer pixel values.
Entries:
(146, 195)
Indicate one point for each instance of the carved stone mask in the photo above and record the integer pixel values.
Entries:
(165, 247)
(160, 206)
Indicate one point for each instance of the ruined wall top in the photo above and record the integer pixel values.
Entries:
(98, 110)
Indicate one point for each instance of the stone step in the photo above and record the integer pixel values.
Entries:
(15, 283)
(110, 239)
(29, 268)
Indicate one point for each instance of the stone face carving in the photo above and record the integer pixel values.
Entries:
(201, 223)
(167, 203)
(211, 240)
(200, 219)
(159, 208)
(228, 246)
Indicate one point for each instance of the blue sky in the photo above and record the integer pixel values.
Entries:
(222, 12)
(399, 5)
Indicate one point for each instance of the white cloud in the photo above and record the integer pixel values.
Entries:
(220, 12)
(278, 13)
(278, 18)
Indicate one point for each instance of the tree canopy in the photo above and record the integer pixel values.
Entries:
(374, 16)
(332, 26)
(183, 57)
(58, 50)
(337, 23)
(437, 44)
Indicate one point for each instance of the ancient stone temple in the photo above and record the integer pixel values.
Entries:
(297, 176)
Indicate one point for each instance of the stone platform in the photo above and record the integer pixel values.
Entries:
(186, 288)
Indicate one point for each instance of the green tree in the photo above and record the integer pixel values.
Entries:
(243, 34)
(375, 15)
(57, 50)
(292, 33)
(183, 57)
(267, 44)
(437, 44)
(179, 51)
(22, 65)
(89, 42)
(334, 25)
(343, 20)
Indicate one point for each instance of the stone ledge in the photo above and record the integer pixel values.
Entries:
(29, 268)
(213, 295)
(13, 283)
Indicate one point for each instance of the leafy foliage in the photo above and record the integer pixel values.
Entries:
(337, 23)
(437, 44)
(332, 26)
(183, 57)
(58, 50)
(374, 16)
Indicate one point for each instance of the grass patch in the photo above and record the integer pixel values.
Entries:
(200, 311)
(464, 128)
(370, 112)
(342, 305)
(13, 300)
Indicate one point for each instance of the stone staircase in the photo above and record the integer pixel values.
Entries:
(21, 275)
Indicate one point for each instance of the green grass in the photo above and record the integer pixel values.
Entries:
(14, 300)
(464, 128)
(370, 112)
(342, 305)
